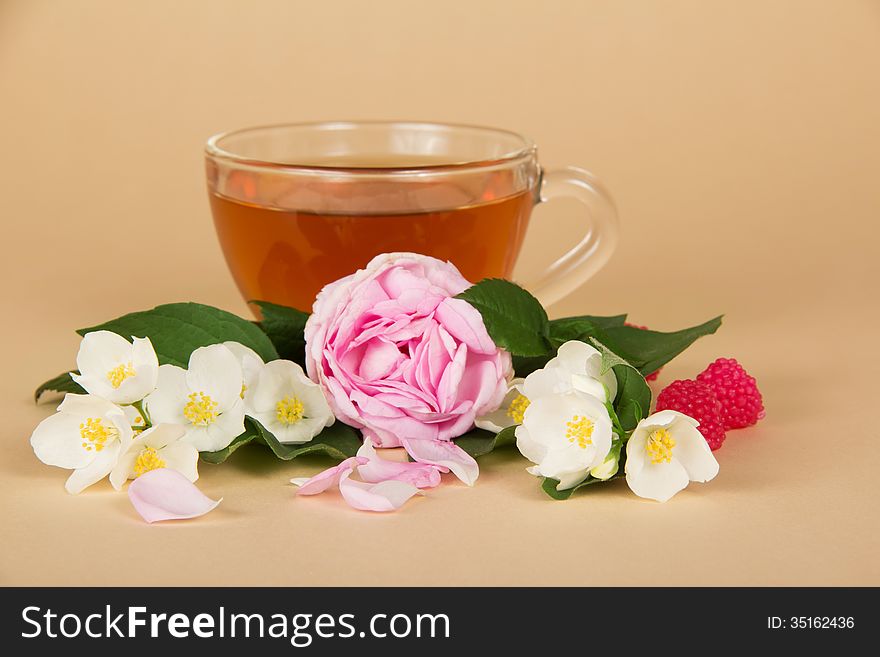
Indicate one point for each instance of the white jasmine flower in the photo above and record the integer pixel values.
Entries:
(576, 366)
(509, 413)
(609, 467)
(86, 435)
(566, 435)
(288, 403)
(251, 365)
(664, 453)
(205, 398)
(117, 370)
(158, 447)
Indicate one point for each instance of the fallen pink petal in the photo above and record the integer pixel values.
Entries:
(165, 494)
(378, 469)
(382, 497)
(446, 454)
(327, 478)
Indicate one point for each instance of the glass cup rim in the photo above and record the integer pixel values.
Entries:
(215, 151)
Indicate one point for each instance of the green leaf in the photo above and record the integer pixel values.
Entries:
(602, 321)
(515, 319)
(650, 350)
(219, 456)
(615, 421)
(633, 399)
(562, 330)
(580, 327)
(609, 358)
(338, 441)
(178, 329)
(549, 486)
(525, 365)
(285, 327)
(480, 442)
(61, 383)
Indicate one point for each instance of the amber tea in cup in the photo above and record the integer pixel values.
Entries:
(299, 206)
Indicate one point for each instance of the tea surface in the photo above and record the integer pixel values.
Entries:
(287, 256)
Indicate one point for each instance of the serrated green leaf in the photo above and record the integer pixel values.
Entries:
(561, 331)
(480, 442)
(581, 327)
(61, 383)
(515, 319)
(338, 441)
(609, 358)
(285, 327)
(525, 365)
(633, 398)
(615, 421)
(602, 321)
(649, 350)
(178, 329)
(221, 455)
(549, 486)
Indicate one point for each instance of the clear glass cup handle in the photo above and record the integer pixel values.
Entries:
(595, 248)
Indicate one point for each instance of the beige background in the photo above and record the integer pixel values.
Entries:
(742, 144)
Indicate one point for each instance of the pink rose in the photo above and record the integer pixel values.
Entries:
(404, 361)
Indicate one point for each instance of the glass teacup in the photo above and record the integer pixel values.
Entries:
(298, 206)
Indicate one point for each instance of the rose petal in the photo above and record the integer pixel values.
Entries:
(377, 469)
(385, 496)
(165, 494)
(451, 379)
(480, 385)
(379, 358)
(465, 323)
(328, 478)
(445, 454)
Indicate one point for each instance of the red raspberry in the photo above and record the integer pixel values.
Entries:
(737, 392)
(653, 375)
(699, 402)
